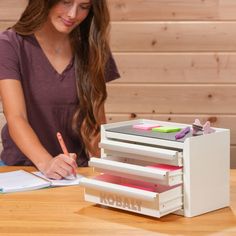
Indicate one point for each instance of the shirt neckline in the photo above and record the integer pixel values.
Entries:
(68, 67)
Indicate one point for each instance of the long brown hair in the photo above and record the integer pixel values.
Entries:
(90, 43)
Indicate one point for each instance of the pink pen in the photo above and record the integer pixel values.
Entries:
(64, 149)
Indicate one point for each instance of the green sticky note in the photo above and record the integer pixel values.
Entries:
(166, 129)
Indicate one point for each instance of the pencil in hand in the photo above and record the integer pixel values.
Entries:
(65, 151)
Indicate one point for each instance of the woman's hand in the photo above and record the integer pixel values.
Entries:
(60, 166)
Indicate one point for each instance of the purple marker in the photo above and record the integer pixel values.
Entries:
(182, 133)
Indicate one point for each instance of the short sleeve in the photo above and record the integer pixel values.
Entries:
(9, 63)
(111, 71)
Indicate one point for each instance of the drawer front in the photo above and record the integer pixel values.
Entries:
(109, 154)
(141, 150)
(128, 198)
(161, 174)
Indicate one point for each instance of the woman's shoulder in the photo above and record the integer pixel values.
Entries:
(9, 35)
(16, 40)
(11, 39)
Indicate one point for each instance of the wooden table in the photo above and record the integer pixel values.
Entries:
(62, 211)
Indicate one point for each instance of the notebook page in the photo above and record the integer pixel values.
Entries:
(20, 180)
(61, 182)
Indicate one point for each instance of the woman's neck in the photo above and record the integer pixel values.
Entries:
(52, 39)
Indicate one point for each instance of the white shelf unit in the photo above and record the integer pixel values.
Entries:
(155, 176)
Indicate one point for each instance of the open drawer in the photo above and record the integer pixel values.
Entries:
(136, 196)
(157, 173)
(166, 155)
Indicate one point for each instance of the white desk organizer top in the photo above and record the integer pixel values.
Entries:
(153, 174)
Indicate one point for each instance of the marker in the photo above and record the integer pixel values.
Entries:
(182, 133)
(166, 129)
(65, 151)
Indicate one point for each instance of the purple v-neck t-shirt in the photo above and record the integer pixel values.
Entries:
(50, 97)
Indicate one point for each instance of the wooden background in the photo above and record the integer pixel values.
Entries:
(177, 59)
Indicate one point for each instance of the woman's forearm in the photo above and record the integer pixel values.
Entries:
(27, 141)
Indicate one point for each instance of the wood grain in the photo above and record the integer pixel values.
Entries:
(179, 36)
(11, 9)
(155, 10)
(179, 98)
(181, 68)
(147, 10)
(63, 211)
(169, 36)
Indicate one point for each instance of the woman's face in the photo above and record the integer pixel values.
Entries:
(67, 14)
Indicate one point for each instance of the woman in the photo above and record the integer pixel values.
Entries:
(53, 67)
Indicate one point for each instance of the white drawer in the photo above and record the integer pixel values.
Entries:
(162, 174)
(167, 155)
(110, 155)
(135, 196)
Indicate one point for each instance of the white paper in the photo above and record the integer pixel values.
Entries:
(61, 182)
(20, 180)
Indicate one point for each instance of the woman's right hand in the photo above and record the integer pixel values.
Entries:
(60, 166)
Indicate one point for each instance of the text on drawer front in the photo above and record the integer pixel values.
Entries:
(120, 201)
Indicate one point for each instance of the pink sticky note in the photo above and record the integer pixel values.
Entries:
(145, 126)
(147, 188)
(165, 167)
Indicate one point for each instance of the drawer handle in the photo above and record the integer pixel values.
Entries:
(127, 168)
(138, 149)
(114, 188)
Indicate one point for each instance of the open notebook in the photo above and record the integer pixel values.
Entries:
(20, 180)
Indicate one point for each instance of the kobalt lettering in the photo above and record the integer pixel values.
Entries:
(120, 201)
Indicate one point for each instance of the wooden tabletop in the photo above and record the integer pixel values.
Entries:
(63, 211)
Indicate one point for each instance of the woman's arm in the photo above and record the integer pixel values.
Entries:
(25, 138)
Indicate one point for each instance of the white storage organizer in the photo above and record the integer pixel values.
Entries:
(153, 174)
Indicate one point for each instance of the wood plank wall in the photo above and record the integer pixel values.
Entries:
(176, 58)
